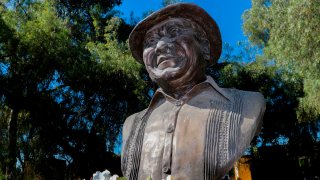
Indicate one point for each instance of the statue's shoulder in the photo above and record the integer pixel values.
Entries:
(129, 122)
(252, 101)
(253, 108)
(253, 98)
(127, 126)
(255, 103)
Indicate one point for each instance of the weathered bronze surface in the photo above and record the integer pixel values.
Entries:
(192, 129)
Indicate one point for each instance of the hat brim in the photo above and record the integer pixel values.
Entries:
(180, 10)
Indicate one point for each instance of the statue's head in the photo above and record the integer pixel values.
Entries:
(175, 44)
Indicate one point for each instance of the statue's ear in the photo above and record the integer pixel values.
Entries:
(205, 44)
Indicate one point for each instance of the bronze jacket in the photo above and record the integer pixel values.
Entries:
(199, 136)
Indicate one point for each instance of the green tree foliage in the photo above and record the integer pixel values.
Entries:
(289, 34)
(86, 18)
(5, 113)
(68, 89)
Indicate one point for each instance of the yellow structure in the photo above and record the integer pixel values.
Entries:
(242, 169)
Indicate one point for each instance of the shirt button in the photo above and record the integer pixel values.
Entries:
(178, 103)
(170, 128)
(165, 169)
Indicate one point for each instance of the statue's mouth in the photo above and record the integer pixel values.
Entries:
(165, 61)
(163, 58)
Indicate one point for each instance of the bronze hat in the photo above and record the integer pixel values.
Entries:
(180, 10)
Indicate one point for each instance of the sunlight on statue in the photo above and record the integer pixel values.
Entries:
(192, 128)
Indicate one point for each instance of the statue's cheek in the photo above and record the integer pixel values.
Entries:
(149, 57)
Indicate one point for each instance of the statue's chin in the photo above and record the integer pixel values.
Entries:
(166, 74)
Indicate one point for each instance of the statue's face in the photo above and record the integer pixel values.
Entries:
(172, 52)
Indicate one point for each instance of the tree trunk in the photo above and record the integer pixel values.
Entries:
(13, 141)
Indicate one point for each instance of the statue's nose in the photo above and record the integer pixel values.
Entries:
(165, 45)
(162, 47)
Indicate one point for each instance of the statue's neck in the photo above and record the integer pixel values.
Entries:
(177, 89)
(178, 92)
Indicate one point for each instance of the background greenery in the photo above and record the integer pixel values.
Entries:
(68, 81)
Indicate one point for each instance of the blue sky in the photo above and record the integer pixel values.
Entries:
(227, 14)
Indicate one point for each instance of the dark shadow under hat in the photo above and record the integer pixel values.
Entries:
(180, 10)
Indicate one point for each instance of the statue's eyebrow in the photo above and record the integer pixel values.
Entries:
(175, 24)
(172, 24)
(183, 25)
(151, 34)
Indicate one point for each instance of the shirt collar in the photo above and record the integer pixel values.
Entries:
(209, 81)
(159, 94)
(218, 89)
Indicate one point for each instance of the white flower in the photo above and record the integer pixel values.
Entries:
(105, 175)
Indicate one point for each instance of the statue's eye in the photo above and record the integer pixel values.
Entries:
(151, 41)
(174, 31)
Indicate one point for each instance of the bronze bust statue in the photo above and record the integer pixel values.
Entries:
(192, 129)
